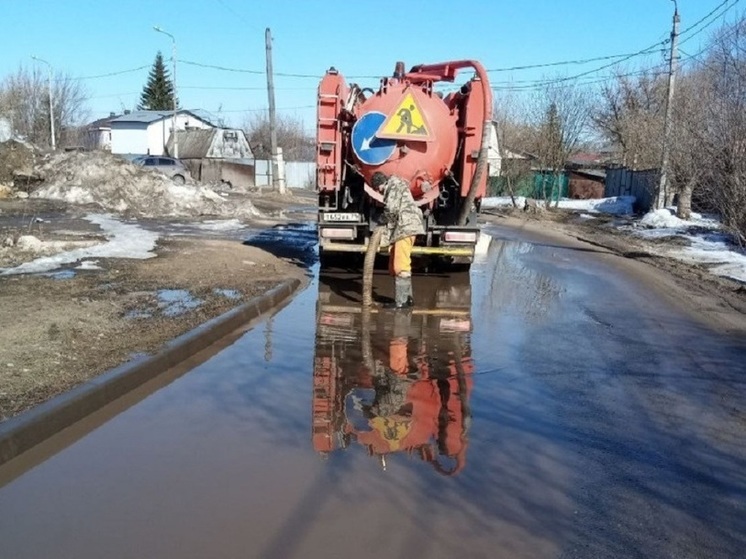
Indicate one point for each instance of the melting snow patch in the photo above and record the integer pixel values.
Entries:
(62, 275)
(666, 219)
(717, 254)
(662, 219)
(175, 302)
(617, 205)
(502, 201)
(89, 265)
(123, 241)
(220, 225)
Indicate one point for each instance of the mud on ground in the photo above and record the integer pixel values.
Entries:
(59, 331)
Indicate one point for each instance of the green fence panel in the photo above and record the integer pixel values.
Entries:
(550, 185)
(535, 185)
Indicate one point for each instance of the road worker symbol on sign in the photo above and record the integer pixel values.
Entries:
(406, 122)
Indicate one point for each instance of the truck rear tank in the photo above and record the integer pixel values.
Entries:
(435, 141)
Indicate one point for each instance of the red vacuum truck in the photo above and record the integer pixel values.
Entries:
(436, 141)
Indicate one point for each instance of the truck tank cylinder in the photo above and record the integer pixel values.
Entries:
(407, 132)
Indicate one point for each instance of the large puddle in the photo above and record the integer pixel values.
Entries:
(537, 407)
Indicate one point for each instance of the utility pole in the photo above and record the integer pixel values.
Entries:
(664, 186)
(276, 185)
(173, 61)
(53, 143)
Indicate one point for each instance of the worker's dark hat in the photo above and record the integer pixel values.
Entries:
(378, 179)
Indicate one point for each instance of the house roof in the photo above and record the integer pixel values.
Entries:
(194, 144)
(208, 117)
(593, 173)
(586, 158)
(148, 117)
(144, 116)
(509, 153)
(101, 123)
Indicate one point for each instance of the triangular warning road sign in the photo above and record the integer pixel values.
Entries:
(406, 122)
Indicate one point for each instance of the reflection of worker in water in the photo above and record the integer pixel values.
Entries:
(414, 408)
(403, 221)
(405, 120)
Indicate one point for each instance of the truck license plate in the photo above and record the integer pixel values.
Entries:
(342, 216)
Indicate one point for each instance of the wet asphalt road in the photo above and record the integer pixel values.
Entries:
(546, 405)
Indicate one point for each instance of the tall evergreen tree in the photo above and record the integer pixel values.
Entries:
(158, 93)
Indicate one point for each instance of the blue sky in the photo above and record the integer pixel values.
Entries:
(94, 37)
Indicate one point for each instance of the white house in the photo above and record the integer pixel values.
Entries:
(147, 132)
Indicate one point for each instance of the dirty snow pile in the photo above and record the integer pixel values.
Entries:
(618, 205)
(123, 240)
(708, 244)
(666, 219)
(116, 185)
(15, 156)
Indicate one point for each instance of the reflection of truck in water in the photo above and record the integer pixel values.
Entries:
(413, 395)
(436, 141)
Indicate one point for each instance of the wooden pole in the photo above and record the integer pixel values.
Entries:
(272, 115)
(664, 186)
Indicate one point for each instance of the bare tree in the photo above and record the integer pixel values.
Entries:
(291, 137)
(630, 116)
(561, 112)
(721, 132)
(686, 164)
(24, 98)
(514, 138)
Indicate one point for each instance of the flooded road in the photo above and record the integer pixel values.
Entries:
(544, 405)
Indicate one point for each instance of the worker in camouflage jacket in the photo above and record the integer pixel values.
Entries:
(403, 221)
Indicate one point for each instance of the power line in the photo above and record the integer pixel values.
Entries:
(693, 57)
(616, 59)
(595, 81)
(115, 95)
(267, 109)
(691, 27)
(239, 88)
(562, 63)
(625, 56)
(244, 110)
(110, 74)
(261, 72)
(221, 68)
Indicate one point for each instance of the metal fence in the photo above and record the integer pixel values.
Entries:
(640, 184)
(298, 174)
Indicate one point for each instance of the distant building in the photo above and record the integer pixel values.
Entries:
(148, 132)
(97, 135)
(211, 143)
(216, 155)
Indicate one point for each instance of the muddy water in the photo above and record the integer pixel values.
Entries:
(542, 406)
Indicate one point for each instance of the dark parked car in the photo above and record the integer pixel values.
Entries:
(172, 168)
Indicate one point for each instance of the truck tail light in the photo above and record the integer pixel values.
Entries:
(346, 233)
(460, 237)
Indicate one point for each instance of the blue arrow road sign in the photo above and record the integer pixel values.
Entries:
(369, 149)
